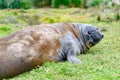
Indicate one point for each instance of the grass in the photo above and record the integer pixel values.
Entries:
(102, 62)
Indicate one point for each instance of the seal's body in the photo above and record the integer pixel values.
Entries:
(31, 47)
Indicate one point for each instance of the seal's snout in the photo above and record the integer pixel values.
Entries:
(97, 39)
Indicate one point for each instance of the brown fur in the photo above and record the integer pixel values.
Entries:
(26, 49)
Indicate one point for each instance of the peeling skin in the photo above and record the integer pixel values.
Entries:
(33, 46)
(15, 48)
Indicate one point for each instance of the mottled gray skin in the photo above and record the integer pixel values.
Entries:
(72, 46)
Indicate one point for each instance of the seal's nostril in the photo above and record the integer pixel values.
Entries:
(102, 35)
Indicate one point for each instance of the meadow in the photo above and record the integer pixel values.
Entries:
(101, 62)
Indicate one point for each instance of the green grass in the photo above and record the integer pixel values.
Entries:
(101, 62)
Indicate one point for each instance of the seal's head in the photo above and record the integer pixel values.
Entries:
(91, 35)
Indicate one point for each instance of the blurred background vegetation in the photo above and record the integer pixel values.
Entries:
(26, 4)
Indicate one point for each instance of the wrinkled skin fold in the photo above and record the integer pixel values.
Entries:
(33, 46)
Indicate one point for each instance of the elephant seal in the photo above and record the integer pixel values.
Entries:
(33, 46)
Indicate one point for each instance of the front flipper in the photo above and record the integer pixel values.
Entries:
(73, 59)
(71, 48)
(71, 56)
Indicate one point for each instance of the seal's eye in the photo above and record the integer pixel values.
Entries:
(97, 28)
(90, 32)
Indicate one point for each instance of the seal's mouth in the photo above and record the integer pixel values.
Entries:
(89, 45)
